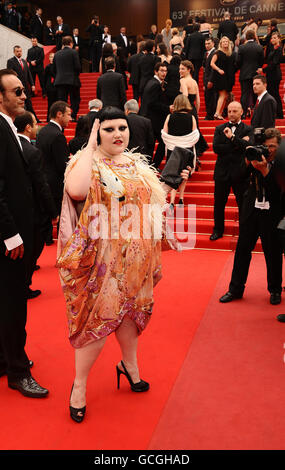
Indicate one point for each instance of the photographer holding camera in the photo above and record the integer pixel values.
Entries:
(95, 42)
(259, 217)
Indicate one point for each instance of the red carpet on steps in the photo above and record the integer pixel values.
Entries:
(216, 371)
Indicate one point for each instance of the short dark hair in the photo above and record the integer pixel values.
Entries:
(16, 47)
(110, 63)
(272, 132)
(158, 65)
(58, 106)
(260, 77)
(66, 40)
(149, 45)
(250, 34)
(4, 72)
(23, 120)
(142, 46)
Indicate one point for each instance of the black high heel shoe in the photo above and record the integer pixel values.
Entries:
(74, 412)
(141, 386)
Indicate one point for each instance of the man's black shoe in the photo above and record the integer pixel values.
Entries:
(29, 388)
(275, 298)
(37, 267)
(215, 236)
(32, 294)
(228, 297)
(281, 317)
(49, 242)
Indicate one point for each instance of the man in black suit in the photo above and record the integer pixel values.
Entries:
(16, 241)
(259, 217)
(141, 133)
(111, 86)
(49, 34)
(228, 28)
(146, 65)
(67, 68)
(35, 59)
(44, 206)
(230, 142)
(124, 46)
(264, 113)
(77, 42)
(194, 49)
(62, 29)
(249, 60)
(209, 91)
(12, 18)
(20, 66)
(154, 106)
(134, 71)
(95, 42)
(52, 143)
(37, 26)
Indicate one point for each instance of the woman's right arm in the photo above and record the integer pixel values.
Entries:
(79, 178)
(214, 66)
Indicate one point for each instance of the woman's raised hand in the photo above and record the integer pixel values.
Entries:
(92, 142)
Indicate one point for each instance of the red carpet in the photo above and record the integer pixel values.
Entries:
(230, 390)
(115, 419)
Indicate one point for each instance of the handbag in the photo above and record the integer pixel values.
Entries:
(179, 159)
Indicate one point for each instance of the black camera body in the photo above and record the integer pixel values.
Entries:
(255, 152)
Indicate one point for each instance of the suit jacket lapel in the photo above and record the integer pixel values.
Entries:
(14, 138)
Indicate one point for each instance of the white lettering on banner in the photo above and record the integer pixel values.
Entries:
(216, 14)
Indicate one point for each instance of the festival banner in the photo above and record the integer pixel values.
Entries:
(214, 10)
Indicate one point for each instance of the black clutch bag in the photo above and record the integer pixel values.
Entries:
(179, 159)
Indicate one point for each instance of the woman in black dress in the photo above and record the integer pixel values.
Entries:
(273, 72)
(189, 88)
(223, 64)
(180, 123)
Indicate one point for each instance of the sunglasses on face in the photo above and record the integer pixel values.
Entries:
(18, 91)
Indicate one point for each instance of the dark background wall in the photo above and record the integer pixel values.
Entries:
(136, 15)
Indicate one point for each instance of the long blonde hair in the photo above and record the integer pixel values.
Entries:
(230, 49)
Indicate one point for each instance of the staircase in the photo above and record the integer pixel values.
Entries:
(200, 189)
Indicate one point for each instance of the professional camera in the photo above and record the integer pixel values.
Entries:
(255, 152)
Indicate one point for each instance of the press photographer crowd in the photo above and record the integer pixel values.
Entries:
(118, 151)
